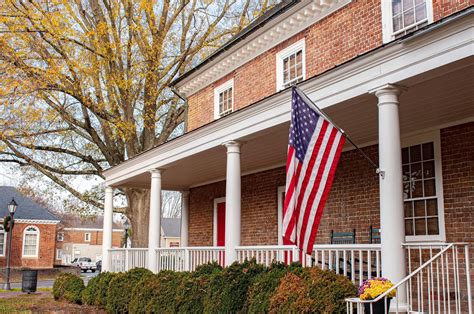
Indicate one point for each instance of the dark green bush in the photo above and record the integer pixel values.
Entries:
(265, 284)
(156, 293)
(312, 291)
(96, 291)
(227, 290)
(68, 287)
(194, 287)
(120, 289)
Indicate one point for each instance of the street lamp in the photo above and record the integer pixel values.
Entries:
(126, 224)
(9, 228)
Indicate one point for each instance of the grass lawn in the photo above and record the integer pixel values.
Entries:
(41, 302)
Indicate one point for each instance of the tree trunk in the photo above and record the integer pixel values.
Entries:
(138, 212)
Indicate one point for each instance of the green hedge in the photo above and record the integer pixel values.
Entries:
(121, 287)
(97, 288)
(68, 287)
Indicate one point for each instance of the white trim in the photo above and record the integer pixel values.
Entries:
(275, 31)
(37, 221)
(387, 21)
(25, 231)
(435, 137)
(280, 201)
(2, 231)
(87, 237)
(392, 63)
(91, 229)
(214, 224)
(219, 89)
(285, 53)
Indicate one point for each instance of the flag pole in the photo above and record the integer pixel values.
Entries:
(316, 108)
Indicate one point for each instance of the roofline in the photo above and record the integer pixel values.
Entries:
(274, 12)
(420, 32)
(36, 221)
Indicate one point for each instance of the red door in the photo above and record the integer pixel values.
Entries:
(221, 230)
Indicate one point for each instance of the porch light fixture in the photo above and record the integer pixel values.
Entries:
(12, 207)
(126, 225)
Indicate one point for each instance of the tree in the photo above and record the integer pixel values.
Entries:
(84, 84)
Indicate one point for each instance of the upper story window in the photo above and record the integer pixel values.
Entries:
(291, 65)
(87, 237)
(422, 190)
(3, 241)
(31, 241)
(60, 236)
(403, 16)
(224, 99)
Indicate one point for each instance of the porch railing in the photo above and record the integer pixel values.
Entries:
(124, 259)
(438, 281)
(188, 258)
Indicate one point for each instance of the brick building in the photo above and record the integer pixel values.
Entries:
(82, 237)
(397, 76)
(34, 233)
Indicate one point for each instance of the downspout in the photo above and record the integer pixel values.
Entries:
(183, 98)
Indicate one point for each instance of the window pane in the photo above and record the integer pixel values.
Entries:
(433, 226)
(406, 190)
(405, 156)
(416, 173)
(396, 7)
(419, 2)
(420, 12)
(406, 173)
(408, 17)
(420, 226)
(430, 189)
(419, 208)
(416, 189)
(407, 4)
(432, 207)
(408, 209)
(428, 169)
(428, 151)
(285, 76)
(415, 153)
(299, 69)
(397, 23)
(409, 227)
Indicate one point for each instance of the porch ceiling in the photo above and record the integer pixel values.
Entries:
(434, 99)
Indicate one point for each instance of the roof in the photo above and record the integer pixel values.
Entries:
(91, 222)
(27, 208)
(171, 227)
(277, 10)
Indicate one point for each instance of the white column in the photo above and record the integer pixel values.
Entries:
(107, 229)
(392, 221)
(232, 202)
(184, 218)
(154, 223)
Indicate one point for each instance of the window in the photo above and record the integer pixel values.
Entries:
(87, 237)
(3, 241)
(59, 254)
(60, 236)
(224, 99)
(403, 16)
(30, 241)
(422, 192)
(291, 65)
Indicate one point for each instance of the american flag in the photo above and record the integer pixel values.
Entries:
(314, 149)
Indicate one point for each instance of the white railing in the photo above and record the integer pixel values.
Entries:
(124, 259)
(188, 258)
(439, 281)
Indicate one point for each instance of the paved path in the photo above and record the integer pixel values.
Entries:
(49, 283)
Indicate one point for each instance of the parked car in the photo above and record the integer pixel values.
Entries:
(98, 265)
(85, 263)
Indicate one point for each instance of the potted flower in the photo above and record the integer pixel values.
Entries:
(371, 289)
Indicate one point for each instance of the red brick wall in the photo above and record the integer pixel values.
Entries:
(46, 252)
(345, 34)
(351, 204)
(78, 236)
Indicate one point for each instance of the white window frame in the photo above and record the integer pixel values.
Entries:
(25, 232)
(59, 254)
(2, 231)
(282, 55)
(219, 89)
(214, 225)
(87, 237)
(60, 236)
(434, 137)
(280, 201)
(387, 22)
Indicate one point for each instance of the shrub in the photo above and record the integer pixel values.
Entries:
(120, 288)
(265, 284)
(227, 290)
(68, 287)
(194, 287)
(313, 290)
(156, 293)
(96, 291)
